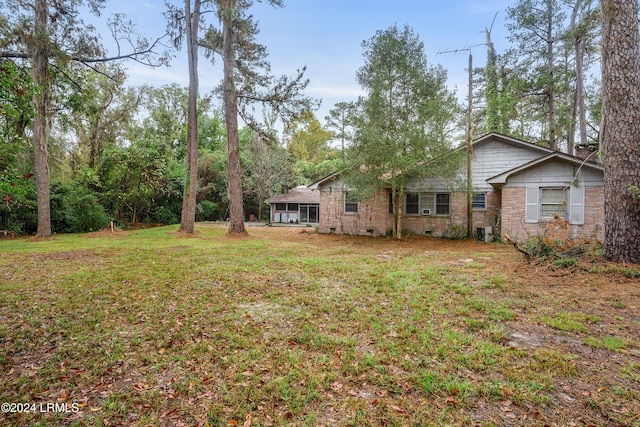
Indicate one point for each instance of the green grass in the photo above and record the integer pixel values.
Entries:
(152, 328)
(570, 321)
(609, 343)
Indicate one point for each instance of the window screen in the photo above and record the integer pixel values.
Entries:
(442, 204)
(412, 204)
(553, 201)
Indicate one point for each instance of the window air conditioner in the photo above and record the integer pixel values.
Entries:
(426, 212)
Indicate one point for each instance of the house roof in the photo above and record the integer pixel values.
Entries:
(324, 180)
(501, 179)
(545, 155)
(300, 194)
(509, 140)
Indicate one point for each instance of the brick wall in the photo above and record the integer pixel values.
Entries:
(373, 217)
(514, 225)
(594, 212)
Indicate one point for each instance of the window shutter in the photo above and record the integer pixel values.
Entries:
(531, 212)
(576, 206)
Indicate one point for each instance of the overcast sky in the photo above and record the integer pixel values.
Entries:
(326, 36)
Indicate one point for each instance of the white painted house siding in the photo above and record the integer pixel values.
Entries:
(490, 158)
(493, 157)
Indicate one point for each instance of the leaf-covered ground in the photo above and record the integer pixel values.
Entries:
(287, 327)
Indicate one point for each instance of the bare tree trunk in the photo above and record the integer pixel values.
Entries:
(234, 189)
(492, 96)
(188, 217)
(398, 195)
(620, 134)
(42, 103)
(550, 85)
(579, 98)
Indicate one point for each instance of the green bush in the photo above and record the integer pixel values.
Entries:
(87, 212)
(62, 214)
(206, 210)
(538, 247)
(165, 215)
(564, 262)
(455, 232)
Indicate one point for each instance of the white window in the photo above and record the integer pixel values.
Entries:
(350, 203)
(544, 203)
(553, 201)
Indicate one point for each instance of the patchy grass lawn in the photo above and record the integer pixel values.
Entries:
(293, 328)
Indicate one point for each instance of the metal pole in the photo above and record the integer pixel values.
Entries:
(470, 153)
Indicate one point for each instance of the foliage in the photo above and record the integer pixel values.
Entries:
(547, 63)
(248, 83)
(133, 178)
(404, 122)
(16, 94)
(309, 173)
(455, 232)
(339, 120)
(564, 262)
(206, 210)
(635, 191)
(555, 242)
(16, 183)
(268, 169)
(308, 140)
(17, 204)
(100, 114)
(74, 209)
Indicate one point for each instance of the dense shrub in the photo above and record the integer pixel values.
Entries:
(206, 210)
(17, 204)
(164, 215)
(87, 212)
(62, 215)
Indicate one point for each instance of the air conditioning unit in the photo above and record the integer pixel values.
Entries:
(426, 212)
(484, 234)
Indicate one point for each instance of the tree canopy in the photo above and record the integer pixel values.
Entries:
(403, 122)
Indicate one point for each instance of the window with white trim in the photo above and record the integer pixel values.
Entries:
(553, 201)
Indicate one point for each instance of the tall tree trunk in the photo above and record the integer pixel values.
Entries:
(620, 135)
(42, 104)
(579, 96)
(188, 217)
(234, 189)
(551, 91)
(491, 94)
(398, 196)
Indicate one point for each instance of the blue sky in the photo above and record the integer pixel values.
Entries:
(326, 36)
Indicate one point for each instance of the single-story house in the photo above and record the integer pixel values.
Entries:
(520, 189)
(300, 205)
